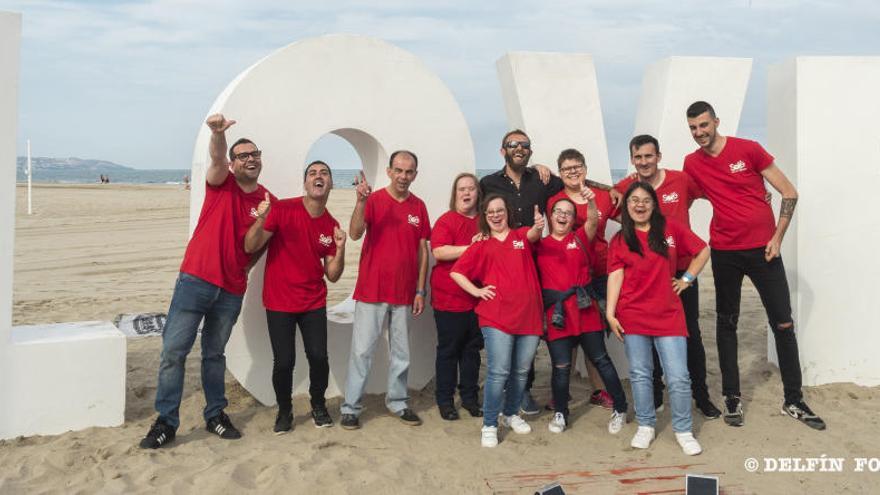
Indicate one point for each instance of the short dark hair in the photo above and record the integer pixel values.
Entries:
(641, 140)
(405, 152)
(698, 108)
(570, 154)
(316, 162)
(511, 133)
(455, 186)
(239, 142)
(484, 224)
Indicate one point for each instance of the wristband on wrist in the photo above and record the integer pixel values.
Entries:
(687, 277)
(420, 292)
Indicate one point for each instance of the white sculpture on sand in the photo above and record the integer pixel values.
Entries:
(377, 97)
(823, 129)
(59, 377)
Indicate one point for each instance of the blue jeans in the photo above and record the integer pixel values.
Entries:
(193, 300)
(508, 358)
(593, 344)
(367, 328)
(673, 356)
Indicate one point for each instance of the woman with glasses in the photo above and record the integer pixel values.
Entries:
(572, 312)
(458, 332)
(573, 170)
(644, 309)
(500, 272)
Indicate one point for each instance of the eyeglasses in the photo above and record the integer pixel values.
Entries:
(562, 213)
(511, 145)
(244, 156)
(495, 213)
(571, 170)
(644, 201)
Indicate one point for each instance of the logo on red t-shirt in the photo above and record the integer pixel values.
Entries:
(670, 198)
(737, 167)
(519, 245)
(670, 241)
(571, 245)
(254, 213)
(413, 220)
(325, 240)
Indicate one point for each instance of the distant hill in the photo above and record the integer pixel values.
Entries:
(79, 170)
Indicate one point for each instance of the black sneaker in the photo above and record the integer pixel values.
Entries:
(321, 417)
(350, 422)
(221, 426)
(801, 412)
(283, 423)
(159, 435)
(733, 413)
(409, 417)
(473, 409)
(448, 412)
(708, 409)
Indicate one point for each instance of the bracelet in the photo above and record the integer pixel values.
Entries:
(688, 278)
(420, 292)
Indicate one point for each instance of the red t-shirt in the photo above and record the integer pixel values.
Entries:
(606, 211)
(215, 252)
(451, 229)
(647, 304)
(294, 280)
(676, 194)
(509, 265)
(741, 218)
(561, 266)
(389, 266)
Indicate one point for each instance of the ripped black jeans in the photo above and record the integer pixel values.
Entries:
(728, 269)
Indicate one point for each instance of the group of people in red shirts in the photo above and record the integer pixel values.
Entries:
(499, 283)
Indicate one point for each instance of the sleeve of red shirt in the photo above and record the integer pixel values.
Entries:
(687, 243)
(441, 234)
(272, 220)
(581, 234)
(624, 184)
(369, 208)
(615, 253)
(469, 264)
(694, 190)
(759, 157)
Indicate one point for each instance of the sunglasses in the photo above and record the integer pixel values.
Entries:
(511, 145)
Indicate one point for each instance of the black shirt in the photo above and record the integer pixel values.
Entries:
(522, 201)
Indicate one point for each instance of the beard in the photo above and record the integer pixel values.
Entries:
(516, 167)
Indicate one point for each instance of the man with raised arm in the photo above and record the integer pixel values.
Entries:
(305, 245)
(211, 285)
(391, 281)
(745, 239)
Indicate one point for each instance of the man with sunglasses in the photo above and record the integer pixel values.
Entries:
(211, 285)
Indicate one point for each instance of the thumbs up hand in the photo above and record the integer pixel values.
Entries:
(263, 207)
(539, 219)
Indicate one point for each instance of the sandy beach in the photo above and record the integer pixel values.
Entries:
(91, 252)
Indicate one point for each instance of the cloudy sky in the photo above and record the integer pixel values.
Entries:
(131, 81)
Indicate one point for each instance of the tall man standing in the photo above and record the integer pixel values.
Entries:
(676, 191)
(305, 245)
(391, 281)
(211, 285)
(745, 240)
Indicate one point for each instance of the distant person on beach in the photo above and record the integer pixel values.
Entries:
(745, 240)
(391, 282)
(186, 182)
(211, 285)
(644, 310)
(509, 310)
(458, 332)
(676, 192)
(305, 245)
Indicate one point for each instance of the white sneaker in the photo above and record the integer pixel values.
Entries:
(689, 444)
(557, 424)
(516, 423)
(489, 436)
(618, 419)
(643, 437)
